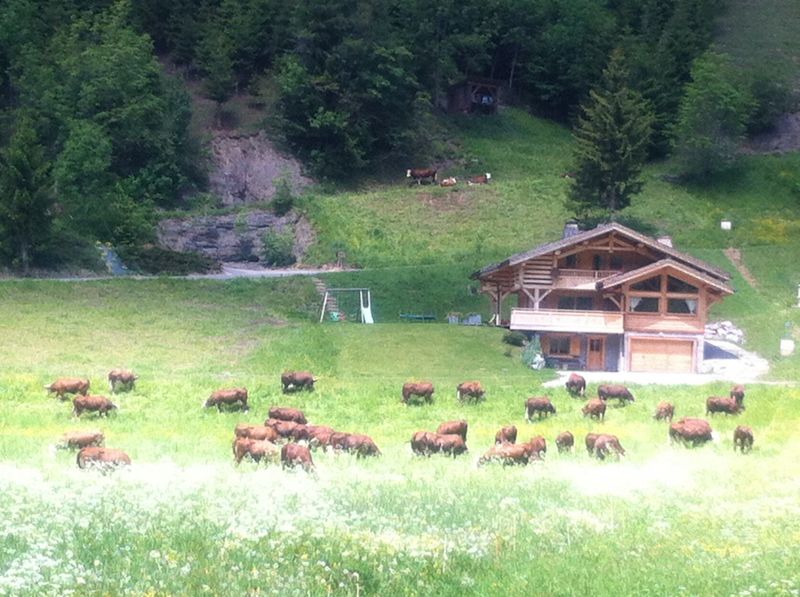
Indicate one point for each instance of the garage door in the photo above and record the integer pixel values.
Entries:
(656, 354)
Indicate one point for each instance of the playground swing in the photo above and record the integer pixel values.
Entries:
(347, 304)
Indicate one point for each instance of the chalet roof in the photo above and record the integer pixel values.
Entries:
(598, 232)
(647, 270)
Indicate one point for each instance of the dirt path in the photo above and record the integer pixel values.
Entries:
(735, 257)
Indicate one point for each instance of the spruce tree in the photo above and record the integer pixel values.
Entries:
(611, 142)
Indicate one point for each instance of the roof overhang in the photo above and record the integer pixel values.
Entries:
(659, 267)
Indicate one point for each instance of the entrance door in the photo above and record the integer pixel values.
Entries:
(596, 359)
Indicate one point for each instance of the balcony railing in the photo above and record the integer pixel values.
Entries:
(583, 279)
(557, 320)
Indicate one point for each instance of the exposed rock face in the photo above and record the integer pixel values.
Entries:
(247, 168)
(724, 330)
(235, 237)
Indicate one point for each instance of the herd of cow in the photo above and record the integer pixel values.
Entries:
(419, 175)
(290, 427)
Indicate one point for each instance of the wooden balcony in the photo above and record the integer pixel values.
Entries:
(554, 320)
(580, 279)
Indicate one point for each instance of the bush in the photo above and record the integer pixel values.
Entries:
(149, 259)
(772, 97)
(283, 201)
(515, 338)
(278, 248)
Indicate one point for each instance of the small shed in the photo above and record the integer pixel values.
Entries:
(473, 95)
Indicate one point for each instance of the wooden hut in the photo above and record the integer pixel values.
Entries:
(473, 95)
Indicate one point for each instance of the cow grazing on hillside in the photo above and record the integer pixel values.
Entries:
(293, 455)
(102, 458)
(423, 443)
(605, 444)
(565, 441)
(718, 404)
(621, 393)
(123, 379)
(453, 427)
(68, 385)
(539, 405)
(538, 447)
(255, 449)
(361, 445)
(470, 389)
(285, 429)
(448, 182)
(664, 411)
(423, 389)
(511, 454)
(692, 431)
(576, 385)
(591, 438)
(283, 413)
(737, 392)
(479, 179)
(98, 404)
(506, 435)
(259, 432)
(595, 408)
(450, 444)
(420, 174)
(229, 397)
(743, 438)
(81, 439)
(292, 381)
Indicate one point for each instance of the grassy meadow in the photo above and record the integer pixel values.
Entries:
(183, 520)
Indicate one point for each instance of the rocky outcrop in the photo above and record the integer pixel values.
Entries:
(234, 237)
(724, 330)
(246, 169)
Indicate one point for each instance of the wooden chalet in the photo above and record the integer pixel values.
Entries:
(609, 299)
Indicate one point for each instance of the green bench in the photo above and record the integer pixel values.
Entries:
(423, 317)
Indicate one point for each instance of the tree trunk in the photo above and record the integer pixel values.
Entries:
(513, 68)
(24, 258)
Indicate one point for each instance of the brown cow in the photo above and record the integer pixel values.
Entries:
(591, 438)
(320, 438)
(508, 454)
(450, 444)
(103, 458)
(449, 182)
(423, 389)
(540, 405)
(99, 404)
(287, 414)
(471, 389)
(419, 174)
(257, 450)
(576, 385)
(664, 411)
(286, 429)
(295, 454)
(361, 445)
(690, 431)
(479, 179)
(737, 392)
(538, 447)
(621, 393)
(506, 435)
(717, 404)
(81, 439)
(124, 378)
(292, 381)
(423, 443)
(229, 397)
(743, 438)
(565, 441)
(595, 408)
(453, 427)
(258, 432)
(68, 385)
(605, 444)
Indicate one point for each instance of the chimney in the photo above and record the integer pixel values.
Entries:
(570, 229)
(665, 240)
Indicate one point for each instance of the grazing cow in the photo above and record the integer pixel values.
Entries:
(81, 439)
(717, 404)
(621, 393)
(690, 431)
(576, 385)
(538, 447)
(320, 438)
(285, 429)
(292, 381)
(287, 414)
(230, 397)
(448, 182)
(479, 179)
(124, 378)
(737, 392)
(103, 458)
(564, 441)
(595, 408)
(743, 438)
(506, 435)
(68, 385)
(508, 454)
(362, 445)
(591, 438)
(453, 427)
(420, 174)
(540, 405)
(605, 444)
(423, 443)
(423, 389)
(257, 450)
(293, 455)
(664, 411)
(99, 404)
(451, 444)
(259, 432)
(472, 389)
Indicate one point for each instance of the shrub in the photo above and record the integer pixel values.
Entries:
(150, 259)
(515, 338)
(283, 201)
(278, 248)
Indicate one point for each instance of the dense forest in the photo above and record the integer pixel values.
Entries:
(95, 139)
